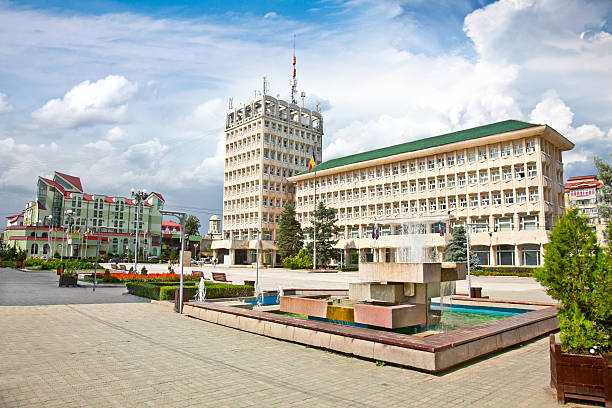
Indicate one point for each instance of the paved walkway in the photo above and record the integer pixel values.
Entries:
(142, 354)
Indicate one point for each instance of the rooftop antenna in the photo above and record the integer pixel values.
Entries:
(266, 86)
(293, 78)
(303, 96)
(231, 103)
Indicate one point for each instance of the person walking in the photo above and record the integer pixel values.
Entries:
(214, 262)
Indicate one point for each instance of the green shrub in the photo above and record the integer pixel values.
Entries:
(143, 271)
(350, 268)
(167, 292)
(503, 271)
(301, 261)
(577, 272)
(143, 290)
(52, 264)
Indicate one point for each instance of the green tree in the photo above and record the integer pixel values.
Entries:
(326, 228)
(604, 171)
(578, 273)
(290, 234)
(192, 225)
(456, 250)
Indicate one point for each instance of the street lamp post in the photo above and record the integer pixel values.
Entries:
(50, 218)
(467, 242)
(139, 196)
(68, 216)
(97, 254)
(181, 216)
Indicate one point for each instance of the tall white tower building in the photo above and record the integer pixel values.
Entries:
(266, 141)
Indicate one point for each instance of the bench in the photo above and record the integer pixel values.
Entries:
(199, 274)
(249, 283)
(220, 277)
(114, 266)
(122, 267)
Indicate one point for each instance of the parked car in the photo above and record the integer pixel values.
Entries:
(206, 259)
(115, 260)
(154, 258)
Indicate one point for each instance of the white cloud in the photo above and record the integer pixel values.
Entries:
(88, 103)
(116, 134)
(99, 145)
(271, 14)
(4, 105)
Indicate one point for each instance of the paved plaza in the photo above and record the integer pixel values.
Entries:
(114, 350)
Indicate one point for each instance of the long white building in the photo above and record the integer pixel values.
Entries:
(505, 180)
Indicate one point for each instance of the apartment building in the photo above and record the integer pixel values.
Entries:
(583, 192)
(267, 141)
(66, 219)
(504, 180)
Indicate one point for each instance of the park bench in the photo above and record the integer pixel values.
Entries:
(122, 267)
(220, 277)
(249, 283)
(199, 274)
(114, 266)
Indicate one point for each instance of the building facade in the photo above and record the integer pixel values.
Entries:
(504, 180)
(267, 141)
(65, 219)
(583, 192)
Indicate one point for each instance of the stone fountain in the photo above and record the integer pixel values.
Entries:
(390, 295)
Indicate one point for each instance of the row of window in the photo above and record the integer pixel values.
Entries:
(301, 133)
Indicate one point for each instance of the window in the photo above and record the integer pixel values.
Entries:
(421, 166)
(533, 195)
(471, 157)
(450, 160)
(413, 206)
(473, 178)
(460, 159)
(482, 252)
(413, 187)
(442, 203)
(496, 198)
(423, 205)
(371, 174)
(379, 173)
(504, 224)
(396, 189)
(404, 187)
(494, 152)
(372, 192)
(395, 170)
(484, 177)
(388, 190)
(494, 176)
(507, 174)
(521, 196)
(431, 164)
(506, 151)
(509, 197)
(452, 203)
(432, 184)
(532, 170)
(530, 254)
(404, 169)
(422, 185)
(462, 202)
(412, 167)
(518, 148)
(484, 199)
(451, 181)
(380, 191)
(440, 161)
(461, 180)
(529, 222)
(441, 182)
(519, 172)
(387, 171)
(482, 155)
(474, 201)
(432, 205)
(530, 147)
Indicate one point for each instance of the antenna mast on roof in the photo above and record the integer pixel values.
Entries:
(293, 78)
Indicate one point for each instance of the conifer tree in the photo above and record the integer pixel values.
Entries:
(578, 272)
(325, 224)
(290, 235)
(456, 250)
(604, 208)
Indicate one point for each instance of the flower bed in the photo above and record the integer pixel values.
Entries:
(136, 277)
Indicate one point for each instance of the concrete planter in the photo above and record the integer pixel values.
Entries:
(580, 376)
(68, 280)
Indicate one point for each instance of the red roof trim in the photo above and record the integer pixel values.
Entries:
(159, 195)
(75, 181)
(54, 184)
(41, 207)
(590, 176)
(109, 199)
(88, 197)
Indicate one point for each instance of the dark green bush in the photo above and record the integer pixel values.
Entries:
(165, 291)
(301, 261)
(503, 271)
(350, 268)
(143, 290)
(51, 264)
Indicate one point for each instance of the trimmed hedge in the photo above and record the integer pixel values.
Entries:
(8, 264)
(52, 264)
(163, 291)
(504, 271)
(350, 268)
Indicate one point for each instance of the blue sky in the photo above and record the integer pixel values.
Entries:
(133, 94)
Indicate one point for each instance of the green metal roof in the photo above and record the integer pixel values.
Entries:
(448, 138)
(195, 238)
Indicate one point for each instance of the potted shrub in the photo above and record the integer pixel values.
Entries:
(69, 279)
(578, 273)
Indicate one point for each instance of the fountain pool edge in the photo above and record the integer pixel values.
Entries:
(433, 353)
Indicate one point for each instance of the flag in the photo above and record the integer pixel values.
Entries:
(440, 229)
(313, 162)
(375, 232)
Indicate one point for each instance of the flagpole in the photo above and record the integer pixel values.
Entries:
(314, 229)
